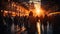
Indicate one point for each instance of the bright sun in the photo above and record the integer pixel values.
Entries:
(37, 8)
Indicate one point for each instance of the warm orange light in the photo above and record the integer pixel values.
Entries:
(13, 14)
(17, 13)
(37, 8)
(38, 27)
(5, 13)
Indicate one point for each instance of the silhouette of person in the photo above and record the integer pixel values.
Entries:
(44, 23)
(32, 24)
(54, 19)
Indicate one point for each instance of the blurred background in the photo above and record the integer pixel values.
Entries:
(29, 16)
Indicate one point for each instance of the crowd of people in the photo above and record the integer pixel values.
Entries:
(29, 23)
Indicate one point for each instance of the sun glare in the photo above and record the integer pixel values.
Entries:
(37, 8)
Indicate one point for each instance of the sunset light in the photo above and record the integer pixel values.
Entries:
(37, 8)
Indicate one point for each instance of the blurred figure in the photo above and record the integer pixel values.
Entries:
(26, 22)
(23, 22)
(20, 21)
(16, 23)
(5, 24)
(54, 19)
(8, 21)
(32, 28)
(43, 24)
(1, 23)
(16, 20)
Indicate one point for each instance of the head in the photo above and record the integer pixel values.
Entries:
(31, 13)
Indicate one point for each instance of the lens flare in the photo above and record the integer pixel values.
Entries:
(37, 8)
